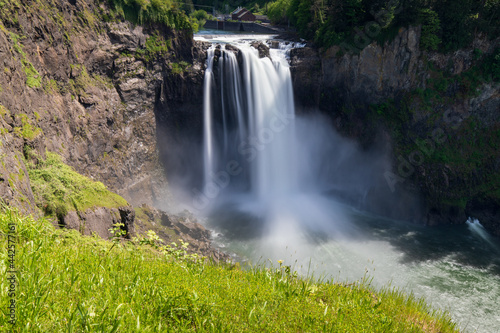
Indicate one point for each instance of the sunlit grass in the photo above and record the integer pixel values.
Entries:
(58, 188)
(71, 283)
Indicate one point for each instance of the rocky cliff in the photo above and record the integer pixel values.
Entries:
(92, 91)
(78, 80)
(116, 100)
(438, 113)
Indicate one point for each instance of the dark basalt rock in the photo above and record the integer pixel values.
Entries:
(127, 217)
(232, 48)
(262, 48)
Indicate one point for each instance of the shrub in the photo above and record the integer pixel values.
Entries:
(156, 47)
(429, 39)
(58, 188)
(155, 11)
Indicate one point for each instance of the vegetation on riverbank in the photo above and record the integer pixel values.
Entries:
(66, 282)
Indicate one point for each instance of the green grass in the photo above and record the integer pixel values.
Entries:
(72, 283)
(27, 130)
(33, 78)
(58, 188)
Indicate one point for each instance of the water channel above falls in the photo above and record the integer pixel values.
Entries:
(273, 184)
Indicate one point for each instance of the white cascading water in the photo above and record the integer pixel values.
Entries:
(209, 158)
(257, 110)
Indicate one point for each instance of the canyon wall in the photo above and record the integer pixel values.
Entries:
(92, 89)
(117, 101)
(438, 114)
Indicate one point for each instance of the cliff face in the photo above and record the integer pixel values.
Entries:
(92, 91)
(439, 113)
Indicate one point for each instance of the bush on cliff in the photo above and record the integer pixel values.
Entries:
(58, 188)
(165, 12)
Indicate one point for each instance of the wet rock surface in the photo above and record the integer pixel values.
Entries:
(262, 48)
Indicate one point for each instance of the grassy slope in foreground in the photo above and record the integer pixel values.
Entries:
(72, 283)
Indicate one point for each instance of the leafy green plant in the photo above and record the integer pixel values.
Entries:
(58, 188)
(117, 232)
(429, 39)
(179, 252)
(201, 15)
(179, 68)
(172, 251)
(151, 239)
(155, 47)
(27, 130)
(155, 11)
(277, 11)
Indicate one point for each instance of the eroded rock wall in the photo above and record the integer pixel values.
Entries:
(443, 135)
(88, 90)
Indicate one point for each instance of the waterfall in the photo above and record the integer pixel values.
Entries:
(249, 118)
(207, 116)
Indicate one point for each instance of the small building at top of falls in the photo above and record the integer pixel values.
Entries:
(242, 14)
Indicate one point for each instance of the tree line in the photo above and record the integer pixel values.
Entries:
(446, 24)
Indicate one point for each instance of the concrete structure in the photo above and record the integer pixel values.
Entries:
(262, 18)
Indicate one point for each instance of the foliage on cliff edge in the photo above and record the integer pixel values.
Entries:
(58, 188)
(448, 24)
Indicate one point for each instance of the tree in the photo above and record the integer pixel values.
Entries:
(429, 39)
